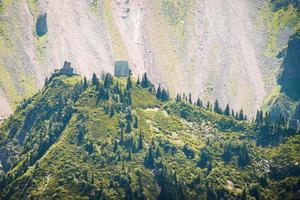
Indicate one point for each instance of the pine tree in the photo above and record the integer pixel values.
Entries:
(108, 81)
(243, 157)
(145, 82)
(199, 103)
(85, 83)
(112, 110)
(204, 158)
(138, 81)
(164, 95)
(209, 168)
(217, 108)
(115, 148)
(46, 82)
(208, 106)
(128, 127)
(227, 154)
(140, 141)
(95, 81)
(241, 115)
(178, 98)
(158, 92)
(190, 98)
(129, 83)
(81, 133)
(135, 123)
(227, 110)
(149, 161)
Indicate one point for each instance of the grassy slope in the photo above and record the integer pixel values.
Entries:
(68, 171)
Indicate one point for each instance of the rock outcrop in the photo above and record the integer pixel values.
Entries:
(41, 24)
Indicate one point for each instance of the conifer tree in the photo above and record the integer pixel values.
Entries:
(241, 115)
(145, 82)
(135, 123)
(190, 98)
(129, 83)
(243, 157)
(140, 141)
(204, 158)
(178, 98)
(227, 154)
(46, 82)
(164, 95)
(149, 159)
(85, 83)
(199, 103)
(208, 106)
(108, 81)
(95, 81)
(128, 127)
(227, 110)
(138, 81)
(112, 110)
(158, 92)
(217, 108)
(115, 148)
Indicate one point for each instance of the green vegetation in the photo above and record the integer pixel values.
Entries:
(277, 20)
(112, 138)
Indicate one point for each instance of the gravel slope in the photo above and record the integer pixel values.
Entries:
(214, 51)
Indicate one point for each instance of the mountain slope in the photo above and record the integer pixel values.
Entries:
(215, 49)
(70, 142)
(286, 97)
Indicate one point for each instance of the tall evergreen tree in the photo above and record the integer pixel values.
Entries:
(140, 141)
(112, 110)
(129, 83)
(243, 157)
(227, 110)
(165, 95)
(241, 115)
(158, 92)
(199, 103)
(85, 83)
(178, 98)
(149, 161)
(136, 122)
(227, 154)
(217, 108)
(190, 98)
(108, 81)
(208, 105)
(138, 81)
(95, 81)
(145, 81)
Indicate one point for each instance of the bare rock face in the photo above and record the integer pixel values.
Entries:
(291, 64)
(288, 100)
(41, 24)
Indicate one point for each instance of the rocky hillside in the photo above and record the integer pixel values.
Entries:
(213, 48)
(117, 139)
(286, 96)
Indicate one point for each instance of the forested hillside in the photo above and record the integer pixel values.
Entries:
(119, 138)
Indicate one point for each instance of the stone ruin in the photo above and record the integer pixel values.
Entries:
(121, 69)
(67, 69)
